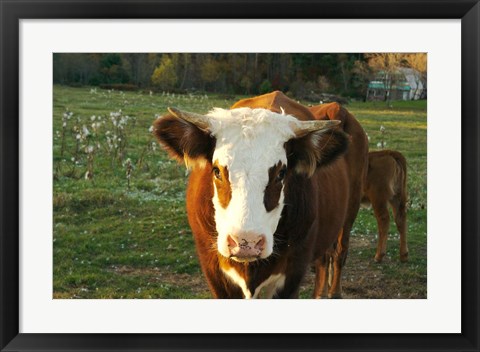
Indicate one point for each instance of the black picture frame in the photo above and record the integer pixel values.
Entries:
(13, 11)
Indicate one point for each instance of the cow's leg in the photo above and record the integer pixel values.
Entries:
(288, 292)
(343, 242)
(383, 221)
(293, 280)
(400, 216)
(321, 276)
(338, 261)
(221, 287)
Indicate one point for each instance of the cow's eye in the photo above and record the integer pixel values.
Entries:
(216, 172)
(281, 175)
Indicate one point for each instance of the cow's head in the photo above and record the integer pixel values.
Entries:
(251, 154)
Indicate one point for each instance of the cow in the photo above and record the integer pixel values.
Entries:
(357, 165)
(267, 194)
(387, 184)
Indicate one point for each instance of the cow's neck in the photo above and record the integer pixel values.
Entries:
(250, 287)
(256, 279)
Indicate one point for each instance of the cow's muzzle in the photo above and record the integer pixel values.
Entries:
(246, 247)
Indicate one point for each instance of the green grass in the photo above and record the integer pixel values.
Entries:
(112, 240)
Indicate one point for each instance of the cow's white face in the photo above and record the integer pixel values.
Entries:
(249, 167)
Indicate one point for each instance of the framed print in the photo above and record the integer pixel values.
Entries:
(99, 100)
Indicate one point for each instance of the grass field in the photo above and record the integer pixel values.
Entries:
(120, 228)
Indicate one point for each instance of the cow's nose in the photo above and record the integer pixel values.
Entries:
(246, 246)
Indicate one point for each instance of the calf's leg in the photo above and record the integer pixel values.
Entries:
(383, 221)
(400, 216)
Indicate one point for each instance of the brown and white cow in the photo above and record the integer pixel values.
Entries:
(356, 158)
(268, 193)
(387, 184)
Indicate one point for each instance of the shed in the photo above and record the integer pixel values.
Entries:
(405, 84)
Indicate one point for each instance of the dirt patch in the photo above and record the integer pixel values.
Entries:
(357, 282)
(196, 283)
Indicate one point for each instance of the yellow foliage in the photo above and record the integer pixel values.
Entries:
(210, 70)
(165, 76)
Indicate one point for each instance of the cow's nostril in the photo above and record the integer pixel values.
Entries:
(246, 247)
(231, 242)
(260, 245)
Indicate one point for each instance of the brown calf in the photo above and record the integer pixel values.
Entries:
(387, 184)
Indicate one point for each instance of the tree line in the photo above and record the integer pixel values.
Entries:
(301, 74)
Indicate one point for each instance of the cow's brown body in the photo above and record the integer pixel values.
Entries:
(316, 210)
(387, 184)
(357, 165)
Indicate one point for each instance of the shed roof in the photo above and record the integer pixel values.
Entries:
(380, 85)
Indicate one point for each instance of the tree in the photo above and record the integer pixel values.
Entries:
(246, 83)
(418, 61)
(186, 67)
(77, 69)
(345, 66)
(362, 75)
(111, 69)
(386, 66)
(138, 68)
(265, 87)
(164, 76)
(210, 70)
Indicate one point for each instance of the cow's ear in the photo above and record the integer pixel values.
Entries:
(184, 141)
(316, 149)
